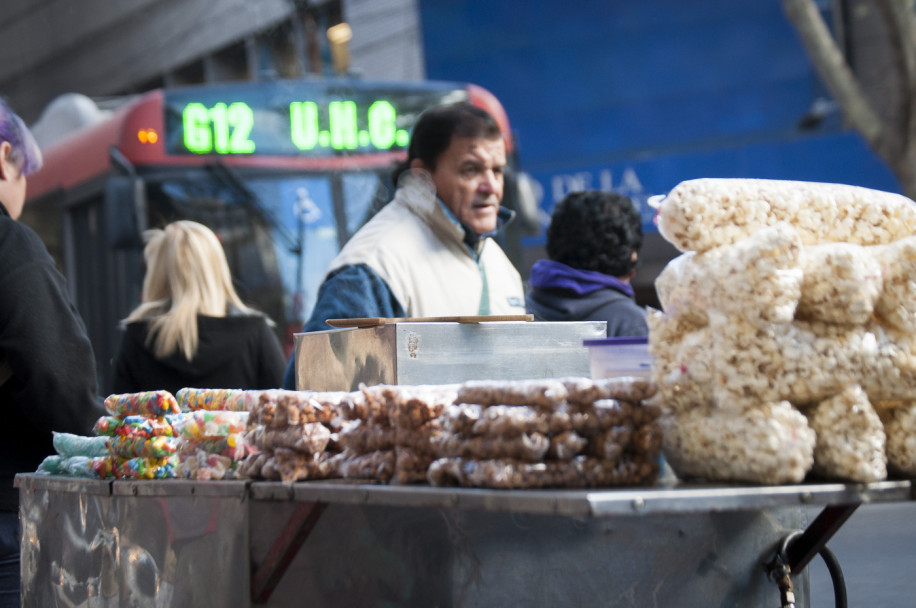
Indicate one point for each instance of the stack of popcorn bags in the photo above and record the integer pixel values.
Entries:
(786, 344)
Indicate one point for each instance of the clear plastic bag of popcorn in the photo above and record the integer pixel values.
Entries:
(768, 444)
(899, 420)
(800, 362)
(683, 366)
(842, 282)
(665, 330)
(700, 214)
(757, 278)
(850, 438)
(896, 305)
(806, 362)
(735, 363)
(888, 363)
(682, 291)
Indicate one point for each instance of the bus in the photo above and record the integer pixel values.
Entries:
(284, 172)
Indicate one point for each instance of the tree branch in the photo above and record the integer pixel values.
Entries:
(903, 19)
(837, 75)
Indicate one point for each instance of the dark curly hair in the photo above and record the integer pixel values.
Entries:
(595, 230)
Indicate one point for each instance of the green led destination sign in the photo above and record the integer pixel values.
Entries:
(227, 129)
(278, 119)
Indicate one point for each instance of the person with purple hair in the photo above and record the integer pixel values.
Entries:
(593, 243)
(47, 368)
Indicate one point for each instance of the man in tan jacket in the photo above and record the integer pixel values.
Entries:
(430, 251)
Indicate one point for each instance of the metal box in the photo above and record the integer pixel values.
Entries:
(442, 353)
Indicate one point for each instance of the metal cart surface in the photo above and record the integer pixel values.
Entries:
(335, 543)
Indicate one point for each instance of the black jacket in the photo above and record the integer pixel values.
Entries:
(234, 352)
(53, 384)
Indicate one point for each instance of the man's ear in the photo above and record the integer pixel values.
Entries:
(414, 164)
(5, 164)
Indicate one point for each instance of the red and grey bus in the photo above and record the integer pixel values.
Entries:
(284, 172)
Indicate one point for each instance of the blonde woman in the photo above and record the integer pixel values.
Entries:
(191, 328)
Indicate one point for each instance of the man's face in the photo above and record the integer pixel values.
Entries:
(469, 180)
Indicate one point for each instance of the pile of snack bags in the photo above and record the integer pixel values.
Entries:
(195, 434)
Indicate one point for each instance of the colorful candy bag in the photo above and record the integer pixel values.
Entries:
(235, 400)
(233, 446)
(149, 403)
(145, 426)
(212, 457)
(138, 468)
(204, 423)
(203, 465)
(106, 425)
(133, 426)
(103, 467)
(133, 447)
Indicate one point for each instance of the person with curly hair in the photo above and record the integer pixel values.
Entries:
(593, 244)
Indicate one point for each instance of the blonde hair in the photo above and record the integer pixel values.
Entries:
(186, 275)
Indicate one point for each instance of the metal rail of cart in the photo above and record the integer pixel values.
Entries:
(338, 543)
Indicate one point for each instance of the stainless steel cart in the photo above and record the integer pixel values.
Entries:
(192, 543)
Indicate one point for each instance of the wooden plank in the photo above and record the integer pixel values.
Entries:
(376, 321)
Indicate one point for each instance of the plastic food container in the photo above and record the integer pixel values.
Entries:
(610, 357)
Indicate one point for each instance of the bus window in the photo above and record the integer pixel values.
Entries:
(364, 194)
(304, 208)
(242, 227)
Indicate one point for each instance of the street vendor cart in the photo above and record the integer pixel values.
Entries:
(186, 543)
(346, 542)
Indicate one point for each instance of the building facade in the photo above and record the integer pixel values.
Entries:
(100, 48)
